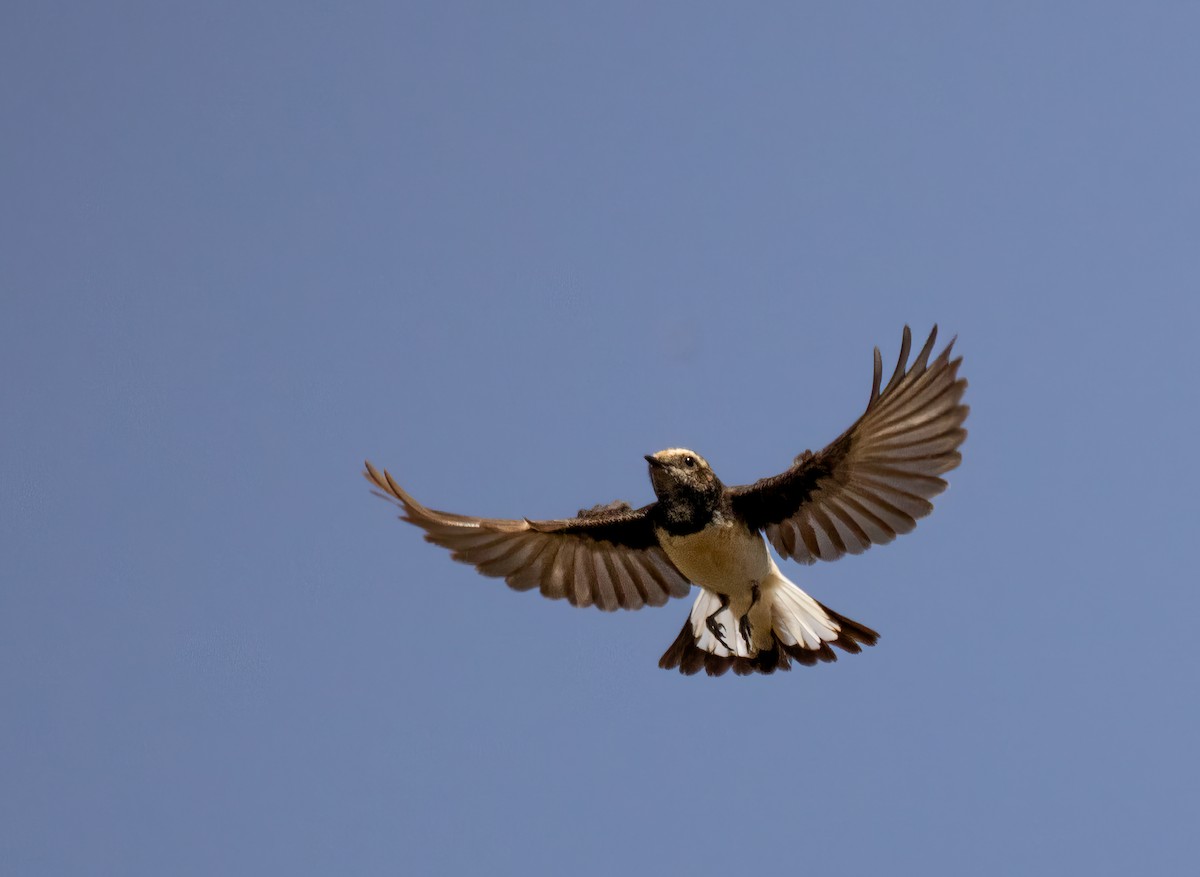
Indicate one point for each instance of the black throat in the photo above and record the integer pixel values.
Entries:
(686, 510)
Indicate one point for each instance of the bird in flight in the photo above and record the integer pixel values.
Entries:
(872, 482)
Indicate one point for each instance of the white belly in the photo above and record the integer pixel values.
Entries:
(724, 557)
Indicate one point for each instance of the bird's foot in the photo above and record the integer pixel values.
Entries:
(744, 621)
(744, 629)
(717, 629)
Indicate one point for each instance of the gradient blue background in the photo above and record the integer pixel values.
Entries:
(506, 250)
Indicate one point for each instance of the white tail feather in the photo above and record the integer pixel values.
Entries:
(785, 624)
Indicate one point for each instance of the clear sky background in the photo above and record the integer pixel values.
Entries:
(506, 250)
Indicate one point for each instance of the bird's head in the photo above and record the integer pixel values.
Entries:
(678, 471)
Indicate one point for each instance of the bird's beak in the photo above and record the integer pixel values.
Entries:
(654, 462)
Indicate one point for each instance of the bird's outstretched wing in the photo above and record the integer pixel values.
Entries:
(876, 479)
(606, 557)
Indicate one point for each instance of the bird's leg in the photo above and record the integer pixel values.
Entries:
(744, 621)
(715, 627)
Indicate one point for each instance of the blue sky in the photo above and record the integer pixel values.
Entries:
(506, 250)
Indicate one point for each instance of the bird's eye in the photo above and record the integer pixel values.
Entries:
(690, 462)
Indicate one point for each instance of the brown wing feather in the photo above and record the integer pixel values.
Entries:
(875, 479)
(606, 557)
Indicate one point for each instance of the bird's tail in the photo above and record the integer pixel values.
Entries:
(783, 625)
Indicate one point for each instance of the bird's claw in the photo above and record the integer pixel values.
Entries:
(744, 629)
(717, 629)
